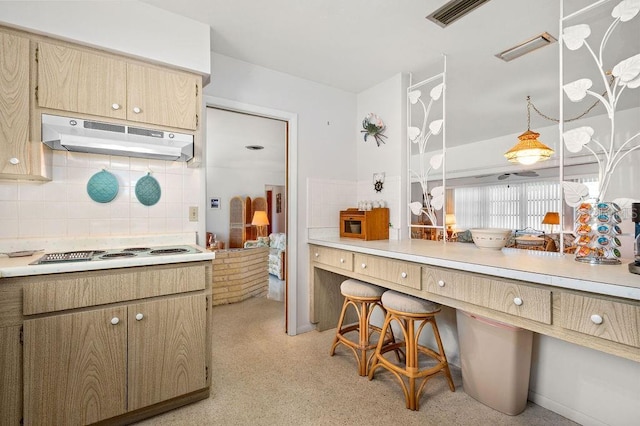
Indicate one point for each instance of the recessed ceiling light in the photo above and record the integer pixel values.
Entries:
(254, 147)
(523, 48)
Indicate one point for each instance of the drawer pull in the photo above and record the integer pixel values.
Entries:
(341, 260)
(596, 319)
(115, 320)
(441, 283)
(517, 301)
(403, 275)
(317, 254)
(139, 317)
(363, 266)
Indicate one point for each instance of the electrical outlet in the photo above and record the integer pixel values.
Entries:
(193, 213)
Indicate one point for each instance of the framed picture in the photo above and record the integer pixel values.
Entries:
(278, 203)
(215, 203)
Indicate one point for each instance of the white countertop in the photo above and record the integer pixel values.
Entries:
(539, 267)
(19, 266)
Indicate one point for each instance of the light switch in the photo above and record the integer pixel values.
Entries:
(193, 213)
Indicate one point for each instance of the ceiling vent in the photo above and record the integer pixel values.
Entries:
(523, 48)
(454, 10)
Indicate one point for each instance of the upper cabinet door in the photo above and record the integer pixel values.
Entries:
(162, 97)
(81, 81)
(14, 104)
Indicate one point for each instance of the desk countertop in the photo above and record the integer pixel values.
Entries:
(545, 268)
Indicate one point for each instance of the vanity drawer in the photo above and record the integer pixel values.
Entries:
(504, 296)
(332, 257)
(72, 290)
(615, 321)
(395, 271)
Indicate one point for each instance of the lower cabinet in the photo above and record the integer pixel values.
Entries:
(84, 367)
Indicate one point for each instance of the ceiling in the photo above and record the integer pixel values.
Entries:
(353, 45)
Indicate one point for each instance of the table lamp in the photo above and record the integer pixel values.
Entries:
(260, 221)
(551, 218)
(450, 219)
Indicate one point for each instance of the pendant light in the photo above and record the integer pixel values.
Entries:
(529, 150)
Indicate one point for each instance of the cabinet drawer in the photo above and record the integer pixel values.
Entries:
(79, 289)
(332, 257)
(504, 296)
(615, 321)
(395, 271)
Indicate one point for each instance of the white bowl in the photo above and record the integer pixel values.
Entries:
(490, 238)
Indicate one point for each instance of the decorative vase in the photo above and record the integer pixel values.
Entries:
(597, 229)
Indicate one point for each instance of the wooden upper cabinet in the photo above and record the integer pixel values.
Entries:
(162, 97)
(89, 82)
(79, 81)
(14, 105)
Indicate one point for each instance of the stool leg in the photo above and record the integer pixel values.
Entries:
(364, 338)
(336, 339)
(411, 362)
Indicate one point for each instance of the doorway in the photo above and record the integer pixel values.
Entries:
(216, 185)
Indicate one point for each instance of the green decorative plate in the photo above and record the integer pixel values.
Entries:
(102, 187)
(148, 190)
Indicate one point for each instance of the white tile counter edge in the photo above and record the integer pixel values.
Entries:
(526, 265)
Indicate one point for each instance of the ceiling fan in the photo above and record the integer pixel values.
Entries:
(526, 173)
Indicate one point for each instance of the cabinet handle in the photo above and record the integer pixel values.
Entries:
(139, 316)
(596, 319)
(317, 254)
(14, 161)
(441, 283)
(403, 275)
(517, 301)
(363, 266)
(137, 110)
(115, 107)
(341, 260)
(115, 320)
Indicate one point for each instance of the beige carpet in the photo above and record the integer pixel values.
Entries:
(261, 376)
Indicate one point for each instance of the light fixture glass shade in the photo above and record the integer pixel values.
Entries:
(260, 218)
(529, 150)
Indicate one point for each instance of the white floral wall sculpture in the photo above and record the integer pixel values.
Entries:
(420, 137)
(597, 222)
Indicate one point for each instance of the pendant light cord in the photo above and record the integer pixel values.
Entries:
(530, 104)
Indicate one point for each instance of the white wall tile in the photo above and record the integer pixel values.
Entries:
(10, 228)
(9, 210)
(8, 191)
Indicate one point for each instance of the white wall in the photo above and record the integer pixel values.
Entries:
(128, 27)
(387, 100)
(326, 147)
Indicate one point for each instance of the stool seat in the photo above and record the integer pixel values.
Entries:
(407, 304)
(355, 288)
(409, 312)
(363, 298)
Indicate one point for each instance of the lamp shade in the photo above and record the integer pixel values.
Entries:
(260, 218)
(551, 218)
(529, 150)
(450, 219)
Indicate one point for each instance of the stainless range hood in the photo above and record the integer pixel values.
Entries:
(77, 135)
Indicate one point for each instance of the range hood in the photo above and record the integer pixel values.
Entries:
(77, 135)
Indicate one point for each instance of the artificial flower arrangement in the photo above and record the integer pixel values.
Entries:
(373, 126)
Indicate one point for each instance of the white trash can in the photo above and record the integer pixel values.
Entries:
(495, 360)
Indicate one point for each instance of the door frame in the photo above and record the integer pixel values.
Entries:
(291, 184)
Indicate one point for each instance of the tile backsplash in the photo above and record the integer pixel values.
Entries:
(63, 208)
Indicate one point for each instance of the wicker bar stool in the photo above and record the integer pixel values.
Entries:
(407, 311)
(363, 297)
